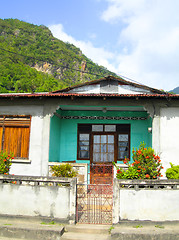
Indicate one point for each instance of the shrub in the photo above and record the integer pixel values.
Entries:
(5, 162)
(172, 172)
(146, 165)
(63, 170)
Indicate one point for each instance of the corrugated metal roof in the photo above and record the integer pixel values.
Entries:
(56, 95)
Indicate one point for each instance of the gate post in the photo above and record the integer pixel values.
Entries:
(72, 203)
(116, 201)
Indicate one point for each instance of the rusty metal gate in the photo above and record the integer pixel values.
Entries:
(94, 203)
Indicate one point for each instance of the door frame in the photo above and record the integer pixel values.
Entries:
(115, 146)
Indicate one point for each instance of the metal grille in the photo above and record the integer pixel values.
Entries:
(94, 203)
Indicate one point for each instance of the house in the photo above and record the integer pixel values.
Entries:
(96, 122)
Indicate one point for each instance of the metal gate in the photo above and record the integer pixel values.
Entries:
(94, 203)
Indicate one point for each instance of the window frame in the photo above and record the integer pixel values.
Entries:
(123, 129)
(84, 129)
(87, 129)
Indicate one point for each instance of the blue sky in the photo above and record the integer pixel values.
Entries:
(138, 39)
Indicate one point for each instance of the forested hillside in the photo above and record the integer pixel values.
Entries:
(175, 90)
(32, 60)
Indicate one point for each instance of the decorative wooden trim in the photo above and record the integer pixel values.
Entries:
(103, 118)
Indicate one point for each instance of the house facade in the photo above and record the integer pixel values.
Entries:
(94, 123)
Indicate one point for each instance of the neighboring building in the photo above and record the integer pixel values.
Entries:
(95, 122)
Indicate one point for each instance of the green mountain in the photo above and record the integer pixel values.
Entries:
(32, 60)
(175, 90)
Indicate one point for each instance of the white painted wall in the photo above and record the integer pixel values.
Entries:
(154, 205)
(46, 201)
(169, 135)
(37, 164)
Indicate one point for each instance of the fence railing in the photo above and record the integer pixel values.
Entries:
(35, 180)
(148, 184)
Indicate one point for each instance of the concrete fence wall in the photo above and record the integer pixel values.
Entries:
(38, 196)
(155, 200)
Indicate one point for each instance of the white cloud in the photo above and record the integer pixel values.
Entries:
(98, 55)
(149, 39)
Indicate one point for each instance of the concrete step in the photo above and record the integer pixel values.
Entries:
(88, 228)
(84, 236)
(31, 231)
(145, 231)
(86, 231)
(148, 236)
(31, 234)
(5, 238)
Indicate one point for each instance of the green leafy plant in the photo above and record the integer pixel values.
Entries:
(146, 165)
(5, 162)
(63, 170)
(172, 172)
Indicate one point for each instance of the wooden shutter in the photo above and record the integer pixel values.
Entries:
(15, 134)
(1, 136)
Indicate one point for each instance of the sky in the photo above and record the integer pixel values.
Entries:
(137, 39)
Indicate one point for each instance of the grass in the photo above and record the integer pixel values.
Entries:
(158, 226)
(110, 229)
(138, 226)
(48, 223)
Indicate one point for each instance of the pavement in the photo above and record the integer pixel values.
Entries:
(145, 230)
(18, 228)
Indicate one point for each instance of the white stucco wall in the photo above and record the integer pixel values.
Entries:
(46, 201)
(169, 135)
(154, 205)
(37, 164)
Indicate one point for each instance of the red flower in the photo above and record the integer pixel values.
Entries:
(147, 156)
(118, 171)
(147, 176)
(138, 170)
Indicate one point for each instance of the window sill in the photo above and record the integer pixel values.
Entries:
(23, 160)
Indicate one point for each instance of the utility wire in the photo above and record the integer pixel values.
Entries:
(69, 67)
(41, 60)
